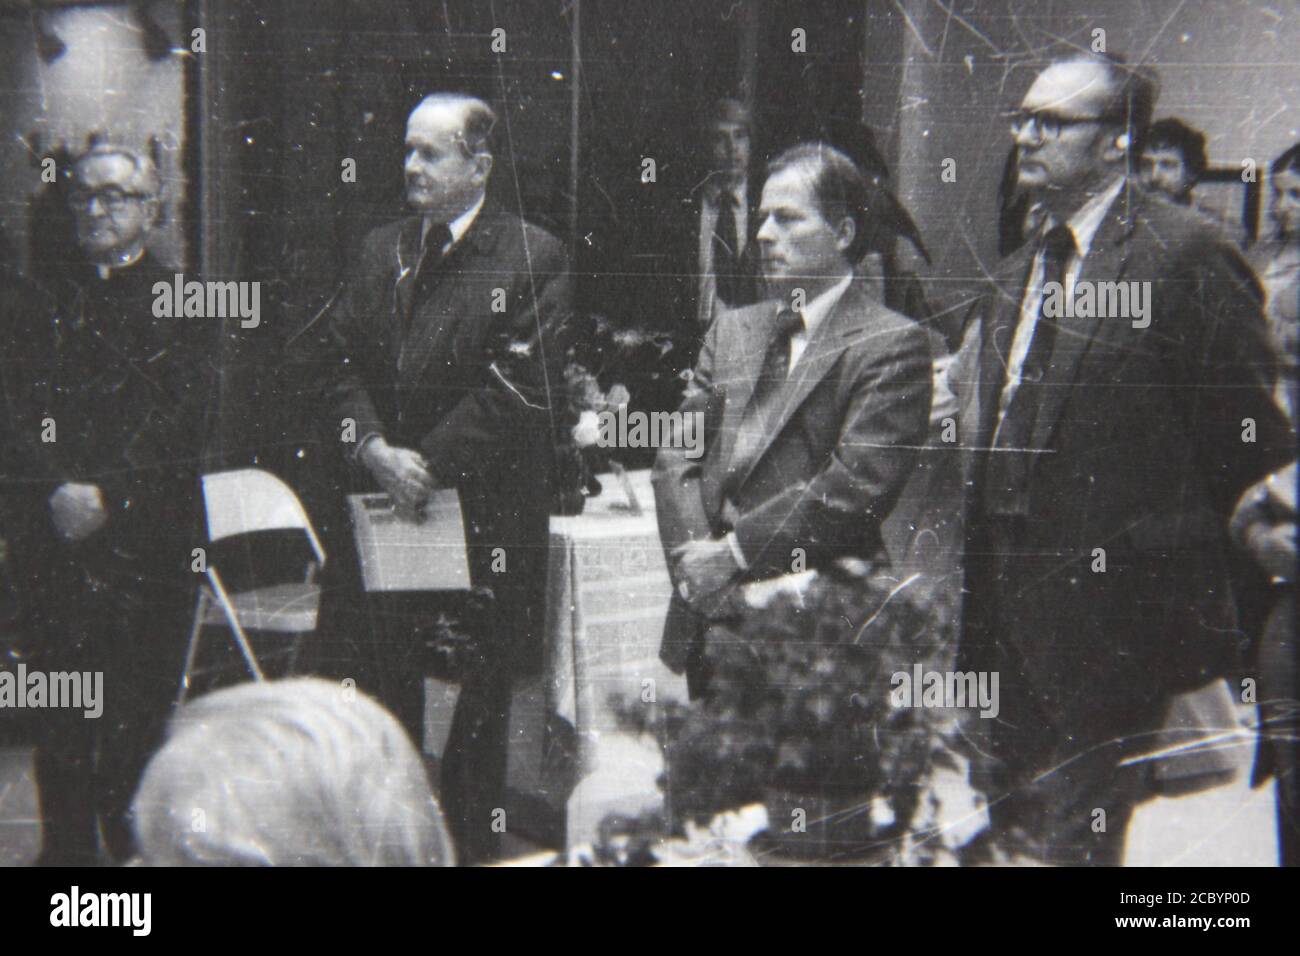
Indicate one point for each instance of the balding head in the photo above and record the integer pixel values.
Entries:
(1077, 124)
(448, 154)
(115, 199)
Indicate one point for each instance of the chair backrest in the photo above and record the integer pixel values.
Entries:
(249, 499)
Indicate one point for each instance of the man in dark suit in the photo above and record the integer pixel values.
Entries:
(699, 252)
(813, 407)
(105, 405)
(1103, 455)
(447, 349)
(722, 220)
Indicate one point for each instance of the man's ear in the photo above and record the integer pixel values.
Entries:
(153, 212)
(483, 164)
(845, 233)
(1116, 147)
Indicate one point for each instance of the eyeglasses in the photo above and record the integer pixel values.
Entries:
(112, 198)
(1048, 123)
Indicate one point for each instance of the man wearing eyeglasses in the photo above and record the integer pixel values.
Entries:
(1106, 454)
(104, 405)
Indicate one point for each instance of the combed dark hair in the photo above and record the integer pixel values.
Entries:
(1288, 160)
(479, 121)
(726, 109)
(842, 190)
(1173, 133)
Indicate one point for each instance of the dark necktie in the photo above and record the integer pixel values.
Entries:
(426, 271)
(435, 240)
(1008, 464)
(758, 415)
(726, 248)
(776, 360)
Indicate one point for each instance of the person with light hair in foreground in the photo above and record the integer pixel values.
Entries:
(299, 772)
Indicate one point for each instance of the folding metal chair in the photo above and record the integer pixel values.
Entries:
(242, 502)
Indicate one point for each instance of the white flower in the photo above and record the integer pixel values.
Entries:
(882, 814)
(587, 431)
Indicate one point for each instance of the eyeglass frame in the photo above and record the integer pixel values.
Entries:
(113, 198)
(1049, 123)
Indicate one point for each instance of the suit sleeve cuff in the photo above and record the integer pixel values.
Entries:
(361, 446)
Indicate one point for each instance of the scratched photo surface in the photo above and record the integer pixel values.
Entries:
(621, 433)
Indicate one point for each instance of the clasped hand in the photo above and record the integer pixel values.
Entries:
(702, 569)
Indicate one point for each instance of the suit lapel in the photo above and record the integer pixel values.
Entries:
(408, 260)
(744, 362)
(998, 332)
(848, 321)
(1107, 261)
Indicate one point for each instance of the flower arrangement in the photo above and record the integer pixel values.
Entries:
(612, 355)
(800, 717)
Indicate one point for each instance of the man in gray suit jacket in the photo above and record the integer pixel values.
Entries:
(813, 405)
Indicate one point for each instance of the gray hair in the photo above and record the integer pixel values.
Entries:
(147, 178)
(477, 121)
(298, 772)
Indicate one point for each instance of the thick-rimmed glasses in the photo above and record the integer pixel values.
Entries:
(112, 198)
(1046, 124)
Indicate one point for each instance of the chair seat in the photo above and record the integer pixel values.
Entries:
(284, 608)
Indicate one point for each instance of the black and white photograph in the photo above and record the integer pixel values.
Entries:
(650, 433)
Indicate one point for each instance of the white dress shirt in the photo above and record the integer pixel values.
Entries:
(458, 226)
(1084, 225)
(814, 314)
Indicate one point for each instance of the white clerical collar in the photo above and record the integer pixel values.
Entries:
(106, 269)
(1087, 218)
(458, 226)
(815, 312)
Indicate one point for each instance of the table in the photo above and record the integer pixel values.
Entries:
(607, 596)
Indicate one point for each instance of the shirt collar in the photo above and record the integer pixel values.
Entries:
(1087, 218)
(458, 226)
(740, 192)
(815, 312)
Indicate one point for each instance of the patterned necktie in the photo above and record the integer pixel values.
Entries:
(1008, 464)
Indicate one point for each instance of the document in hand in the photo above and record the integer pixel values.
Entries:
(401, 555)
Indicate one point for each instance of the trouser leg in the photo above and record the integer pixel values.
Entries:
(474, 765)
(65, 784)
(140, 685)
(73, 634)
